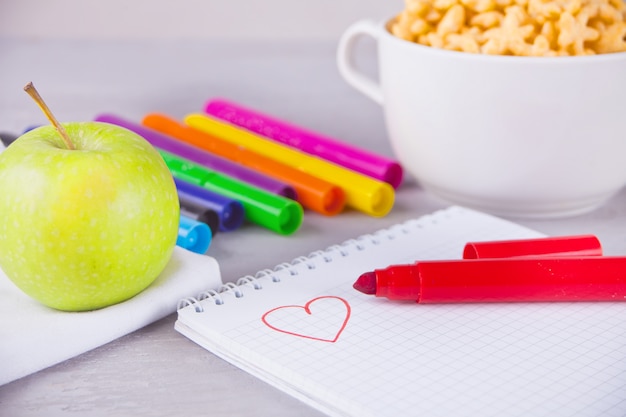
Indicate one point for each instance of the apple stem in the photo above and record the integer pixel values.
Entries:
(32, 91)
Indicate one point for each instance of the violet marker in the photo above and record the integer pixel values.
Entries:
(348, 156)
(7, 138)
(199, 156)
(196, 211)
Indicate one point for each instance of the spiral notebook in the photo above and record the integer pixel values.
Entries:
(302, 328)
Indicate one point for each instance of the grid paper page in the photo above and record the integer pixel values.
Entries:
(363, 356)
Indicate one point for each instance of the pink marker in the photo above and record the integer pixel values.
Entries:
(359, 160)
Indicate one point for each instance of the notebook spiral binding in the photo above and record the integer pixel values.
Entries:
(327, 255)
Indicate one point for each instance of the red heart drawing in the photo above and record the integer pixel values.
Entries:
(322, 318)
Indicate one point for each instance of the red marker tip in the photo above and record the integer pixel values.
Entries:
(366, 283)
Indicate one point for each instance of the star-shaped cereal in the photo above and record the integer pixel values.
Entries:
(464, 42)
(511, 36)
(487, 20)
(618, 4)
(479, 6)
(432, 39)
(420, 27)
(541, 47)
(417, 7)
(612, 38)
(401, 27)
(444, 5)
(610, 14)
(544, 10)
(574, 32)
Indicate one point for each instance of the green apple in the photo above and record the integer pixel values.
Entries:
(89, 227)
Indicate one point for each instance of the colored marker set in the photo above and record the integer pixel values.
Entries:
(568, 268)
(233, 163)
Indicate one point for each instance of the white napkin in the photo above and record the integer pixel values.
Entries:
(34, 337)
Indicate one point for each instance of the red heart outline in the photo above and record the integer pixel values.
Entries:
(307, 310)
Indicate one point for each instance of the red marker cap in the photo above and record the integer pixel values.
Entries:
(558, 246)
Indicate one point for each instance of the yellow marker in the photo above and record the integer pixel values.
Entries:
(362, 192)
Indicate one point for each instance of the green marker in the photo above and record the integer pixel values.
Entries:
(269, 210)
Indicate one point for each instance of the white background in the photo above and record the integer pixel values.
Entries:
(192, 19)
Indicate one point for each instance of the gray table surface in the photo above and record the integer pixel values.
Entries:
(155, 371)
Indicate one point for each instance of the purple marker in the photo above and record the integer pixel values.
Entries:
(7, 138)
(198, 212)
(229, 211)
(199, 156)
(351, 157)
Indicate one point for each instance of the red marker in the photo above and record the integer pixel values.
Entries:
(556, 246)
(590, 278)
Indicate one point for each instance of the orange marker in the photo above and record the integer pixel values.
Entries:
(313, 193)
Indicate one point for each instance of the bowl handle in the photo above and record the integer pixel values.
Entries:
(347, 69)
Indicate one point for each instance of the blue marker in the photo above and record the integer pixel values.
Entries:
(230, 211)
(193, 235)
(31, 127)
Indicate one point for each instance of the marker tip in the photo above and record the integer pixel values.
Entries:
(366, 283)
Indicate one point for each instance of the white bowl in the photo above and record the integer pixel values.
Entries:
(516, 136)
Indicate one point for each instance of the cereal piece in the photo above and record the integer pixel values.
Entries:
(433, 39)
(487, 20)
(479, 6)
(618, 4)
(444, 5)
(542, 10)
(573, 6)
(515, 15)
(433, 16)
(417, 7)
(408, 26)
(612, 38)
(549, 33)
(511, 36)
(401, 27)
(591, 10)
(462, 42)
(574, 32)
(423, 39)
(609, 14)
(473, 31)
(420, 27)
(452, 21)
(541, 47)
(493, 46)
